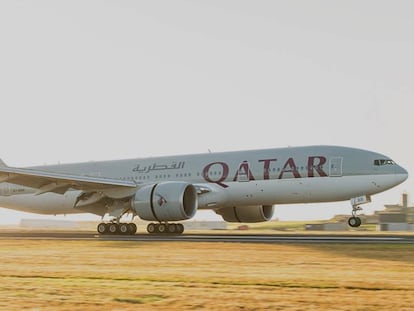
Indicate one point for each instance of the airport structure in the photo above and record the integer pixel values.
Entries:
(397, 217)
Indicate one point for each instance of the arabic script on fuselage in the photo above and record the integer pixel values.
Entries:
(158, 167)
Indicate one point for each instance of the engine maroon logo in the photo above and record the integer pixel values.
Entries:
(161, 200)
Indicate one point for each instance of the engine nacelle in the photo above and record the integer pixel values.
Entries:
(246, 213)
(166, 201)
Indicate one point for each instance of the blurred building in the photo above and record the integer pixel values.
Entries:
(397, 217)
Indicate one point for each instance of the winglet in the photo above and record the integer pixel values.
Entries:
(2, 164)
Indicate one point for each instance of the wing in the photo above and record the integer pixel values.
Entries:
(97, 195)
(59, 183)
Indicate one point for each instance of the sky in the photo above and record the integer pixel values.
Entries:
(103, 80)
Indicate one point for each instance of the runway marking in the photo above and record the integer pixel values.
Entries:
(265, 239)
(228, 238)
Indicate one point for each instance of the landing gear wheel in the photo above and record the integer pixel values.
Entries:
(151, 228)
(124, 229)
(354, 222)
(102, 228)
(162, 228)
(113, 228)
(132, 228)
(172, 228)
(179, 228)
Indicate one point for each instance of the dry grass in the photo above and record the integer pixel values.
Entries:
(102, 275)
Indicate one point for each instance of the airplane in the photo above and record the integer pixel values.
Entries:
(241, 186)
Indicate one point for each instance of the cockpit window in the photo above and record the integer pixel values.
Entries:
(381, 162)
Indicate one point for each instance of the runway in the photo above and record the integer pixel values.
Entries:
(215, 237)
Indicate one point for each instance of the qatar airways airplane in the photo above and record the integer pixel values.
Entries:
(240, 186)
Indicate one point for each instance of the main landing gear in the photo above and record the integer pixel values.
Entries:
(165, 228)
(117, 228)
(131, 228)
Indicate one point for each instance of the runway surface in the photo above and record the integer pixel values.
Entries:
(214, 237)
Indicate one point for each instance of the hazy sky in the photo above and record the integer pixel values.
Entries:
(93, 80)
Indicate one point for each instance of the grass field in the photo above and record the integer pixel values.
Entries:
(104, 275)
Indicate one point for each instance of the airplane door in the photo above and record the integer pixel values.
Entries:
(335, 167)
(243, 173)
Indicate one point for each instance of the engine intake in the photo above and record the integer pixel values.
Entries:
(166, 201)
(246, 213)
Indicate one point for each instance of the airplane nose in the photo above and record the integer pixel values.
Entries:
(402, 174)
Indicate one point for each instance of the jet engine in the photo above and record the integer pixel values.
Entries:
(166, 201)
(246, 213)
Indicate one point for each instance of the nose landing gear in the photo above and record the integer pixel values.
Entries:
(355, 221)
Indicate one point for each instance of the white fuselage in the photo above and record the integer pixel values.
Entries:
(262, 177)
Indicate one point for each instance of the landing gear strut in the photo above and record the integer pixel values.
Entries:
(165, 228)
(355, 221)
(117, 228)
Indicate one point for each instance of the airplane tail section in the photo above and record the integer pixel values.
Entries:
(2, 164)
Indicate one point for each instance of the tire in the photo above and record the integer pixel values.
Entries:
(180, 228)
(354, 222)
(162, 228)
(124, 229)
(132, 228)
(113, 228)
(102, 228)
(172, 228)
(151, 228)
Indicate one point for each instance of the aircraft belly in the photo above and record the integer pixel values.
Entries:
(347, 187)
(269, 192)
(306, 190)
